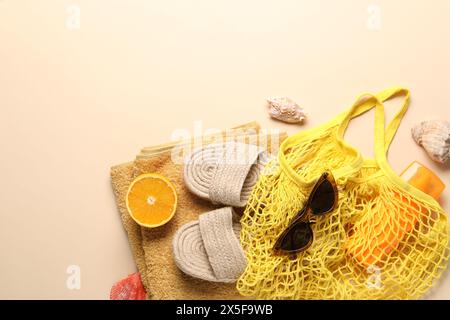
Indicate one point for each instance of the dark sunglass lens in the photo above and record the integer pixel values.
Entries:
(323, 199)
(297, 238)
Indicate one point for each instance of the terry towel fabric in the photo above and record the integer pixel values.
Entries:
(152, 248)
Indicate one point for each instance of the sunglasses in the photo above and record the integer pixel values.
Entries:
(299, 236)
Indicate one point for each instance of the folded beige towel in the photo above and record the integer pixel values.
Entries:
(152, 248)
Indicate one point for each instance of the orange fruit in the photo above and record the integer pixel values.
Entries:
(151, 200)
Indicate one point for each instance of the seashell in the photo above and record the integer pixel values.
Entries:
(434, 137)
(286, 110)
(130, 288)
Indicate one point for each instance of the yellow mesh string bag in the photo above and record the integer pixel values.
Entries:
(385, 240)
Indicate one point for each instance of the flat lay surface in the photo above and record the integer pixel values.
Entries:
(85, 85)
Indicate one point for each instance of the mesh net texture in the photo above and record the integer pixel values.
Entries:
(380, 243)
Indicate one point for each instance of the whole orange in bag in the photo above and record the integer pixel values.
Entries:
(390, 230)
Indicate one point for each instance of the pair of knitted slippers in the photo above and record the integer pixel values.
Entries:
(225, 173)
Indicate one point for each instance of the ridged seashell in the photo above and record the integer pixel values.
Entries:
(434, 137)
(286, 110)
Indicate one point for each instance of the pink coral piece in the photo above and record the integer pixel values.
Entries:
(130, 288)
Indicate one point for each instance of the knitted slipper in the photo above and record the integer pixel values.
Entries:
(224, 173)
(209, 248)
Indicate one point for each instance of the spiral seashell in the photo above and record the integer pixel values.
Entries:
(434, 137)
(286, 110)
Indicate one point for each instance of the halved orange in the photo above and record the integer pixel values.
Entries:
(151, 200)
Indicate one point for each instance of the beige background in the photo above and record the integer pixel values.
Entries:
(74, 102)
